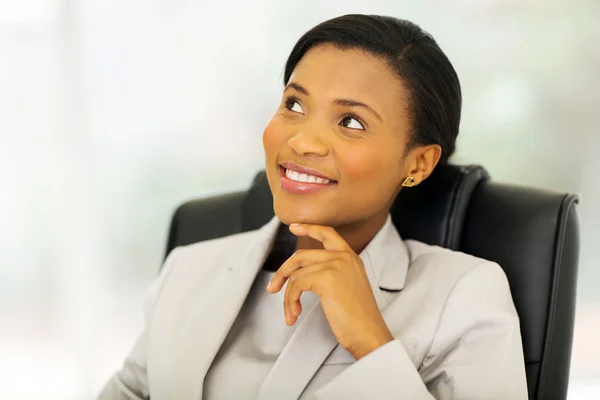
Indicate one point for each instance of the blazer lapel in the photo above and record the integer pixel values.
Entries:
(313, 340)
(308, 347)
(215, 311)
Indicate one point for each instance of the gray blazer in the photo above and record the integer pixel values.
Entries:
(456, 328)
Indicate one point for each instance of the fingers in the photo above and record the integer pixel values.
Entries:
(300, 259)
(310, 270)
(313, 279)
(325, 234)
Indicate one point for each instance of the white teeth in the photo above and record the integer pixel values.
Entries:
(303, 178)
(300, 177)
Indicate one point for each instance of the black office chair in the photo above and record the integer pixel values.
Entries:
(532, 234)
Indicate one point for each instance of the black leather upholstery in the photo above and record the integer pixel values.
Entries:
(532, 234)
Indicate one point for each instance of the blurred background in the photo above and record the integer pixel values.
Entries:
(114, 112)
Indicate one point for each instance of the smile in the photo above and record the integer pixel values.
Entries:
(300, 180)
(302, 177)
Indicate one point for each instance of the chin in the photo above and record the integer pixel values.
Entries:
(289, 214)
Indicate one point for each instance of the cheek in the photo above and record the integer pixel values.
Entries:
(369, 166)
(273, 137)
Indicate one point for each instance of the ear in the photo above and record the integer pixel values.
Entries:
(422, 160)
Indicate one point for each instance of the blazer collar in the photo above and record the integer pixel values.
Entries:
(386, 258)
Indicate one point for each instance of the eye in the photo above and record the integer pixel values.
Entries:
(293, 104)
(352, 123)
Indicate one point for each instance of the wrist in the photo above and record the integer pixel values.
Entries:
(373, 342)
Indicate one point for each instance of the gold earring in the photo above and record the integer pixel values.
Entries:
(409, 182)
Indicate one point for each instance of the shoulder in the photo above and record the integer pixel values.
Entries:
(186, 262)
(448, 270)
(213, 248)
(197, 263)
(456, 292)
(445, 261)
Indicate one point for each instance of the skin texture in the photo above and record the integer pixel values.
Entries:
(317, 126)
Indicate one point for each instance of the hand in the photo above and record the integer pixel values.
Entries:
(337, 275)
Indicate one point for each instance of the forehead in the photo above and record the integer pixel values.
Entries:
(330, 72)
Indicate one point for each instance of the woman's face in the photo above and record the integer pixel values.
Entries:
(343, 118)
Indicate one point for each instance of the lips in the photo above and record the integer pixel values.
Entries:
(295, 179)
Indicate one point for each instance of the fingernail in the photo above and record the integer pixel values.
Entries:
(269, 286)
(294, 224)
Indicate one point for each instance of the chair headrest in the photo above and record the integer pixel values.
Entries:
(432, 212)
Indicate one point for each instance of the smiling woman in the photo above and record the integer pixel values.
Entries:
(343, 116)
(371, 105)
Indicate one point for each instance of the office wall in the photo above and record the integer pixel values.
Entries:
(114, 112)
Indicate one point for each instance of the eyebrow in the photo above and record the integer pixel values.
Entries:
(298, 88)
(341, 102)
(354, 103)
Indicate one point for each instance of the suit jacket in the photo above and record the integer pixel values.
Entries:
(455, 326)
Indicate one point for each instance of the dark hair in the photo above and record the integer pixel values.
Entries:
(433, 86)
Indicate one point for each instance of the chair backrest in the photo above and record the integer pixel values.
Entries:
(533, 234)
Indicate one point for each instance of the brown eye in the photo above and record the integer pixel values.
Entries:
(294, 105)
(352, 123)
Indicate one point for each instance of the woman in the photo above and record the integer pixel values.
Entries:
(370, 106)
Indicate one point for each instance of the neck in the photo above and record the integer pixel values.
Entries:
(357, 234)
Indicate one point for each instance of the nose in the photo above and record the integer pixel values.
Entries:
(307, 144)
